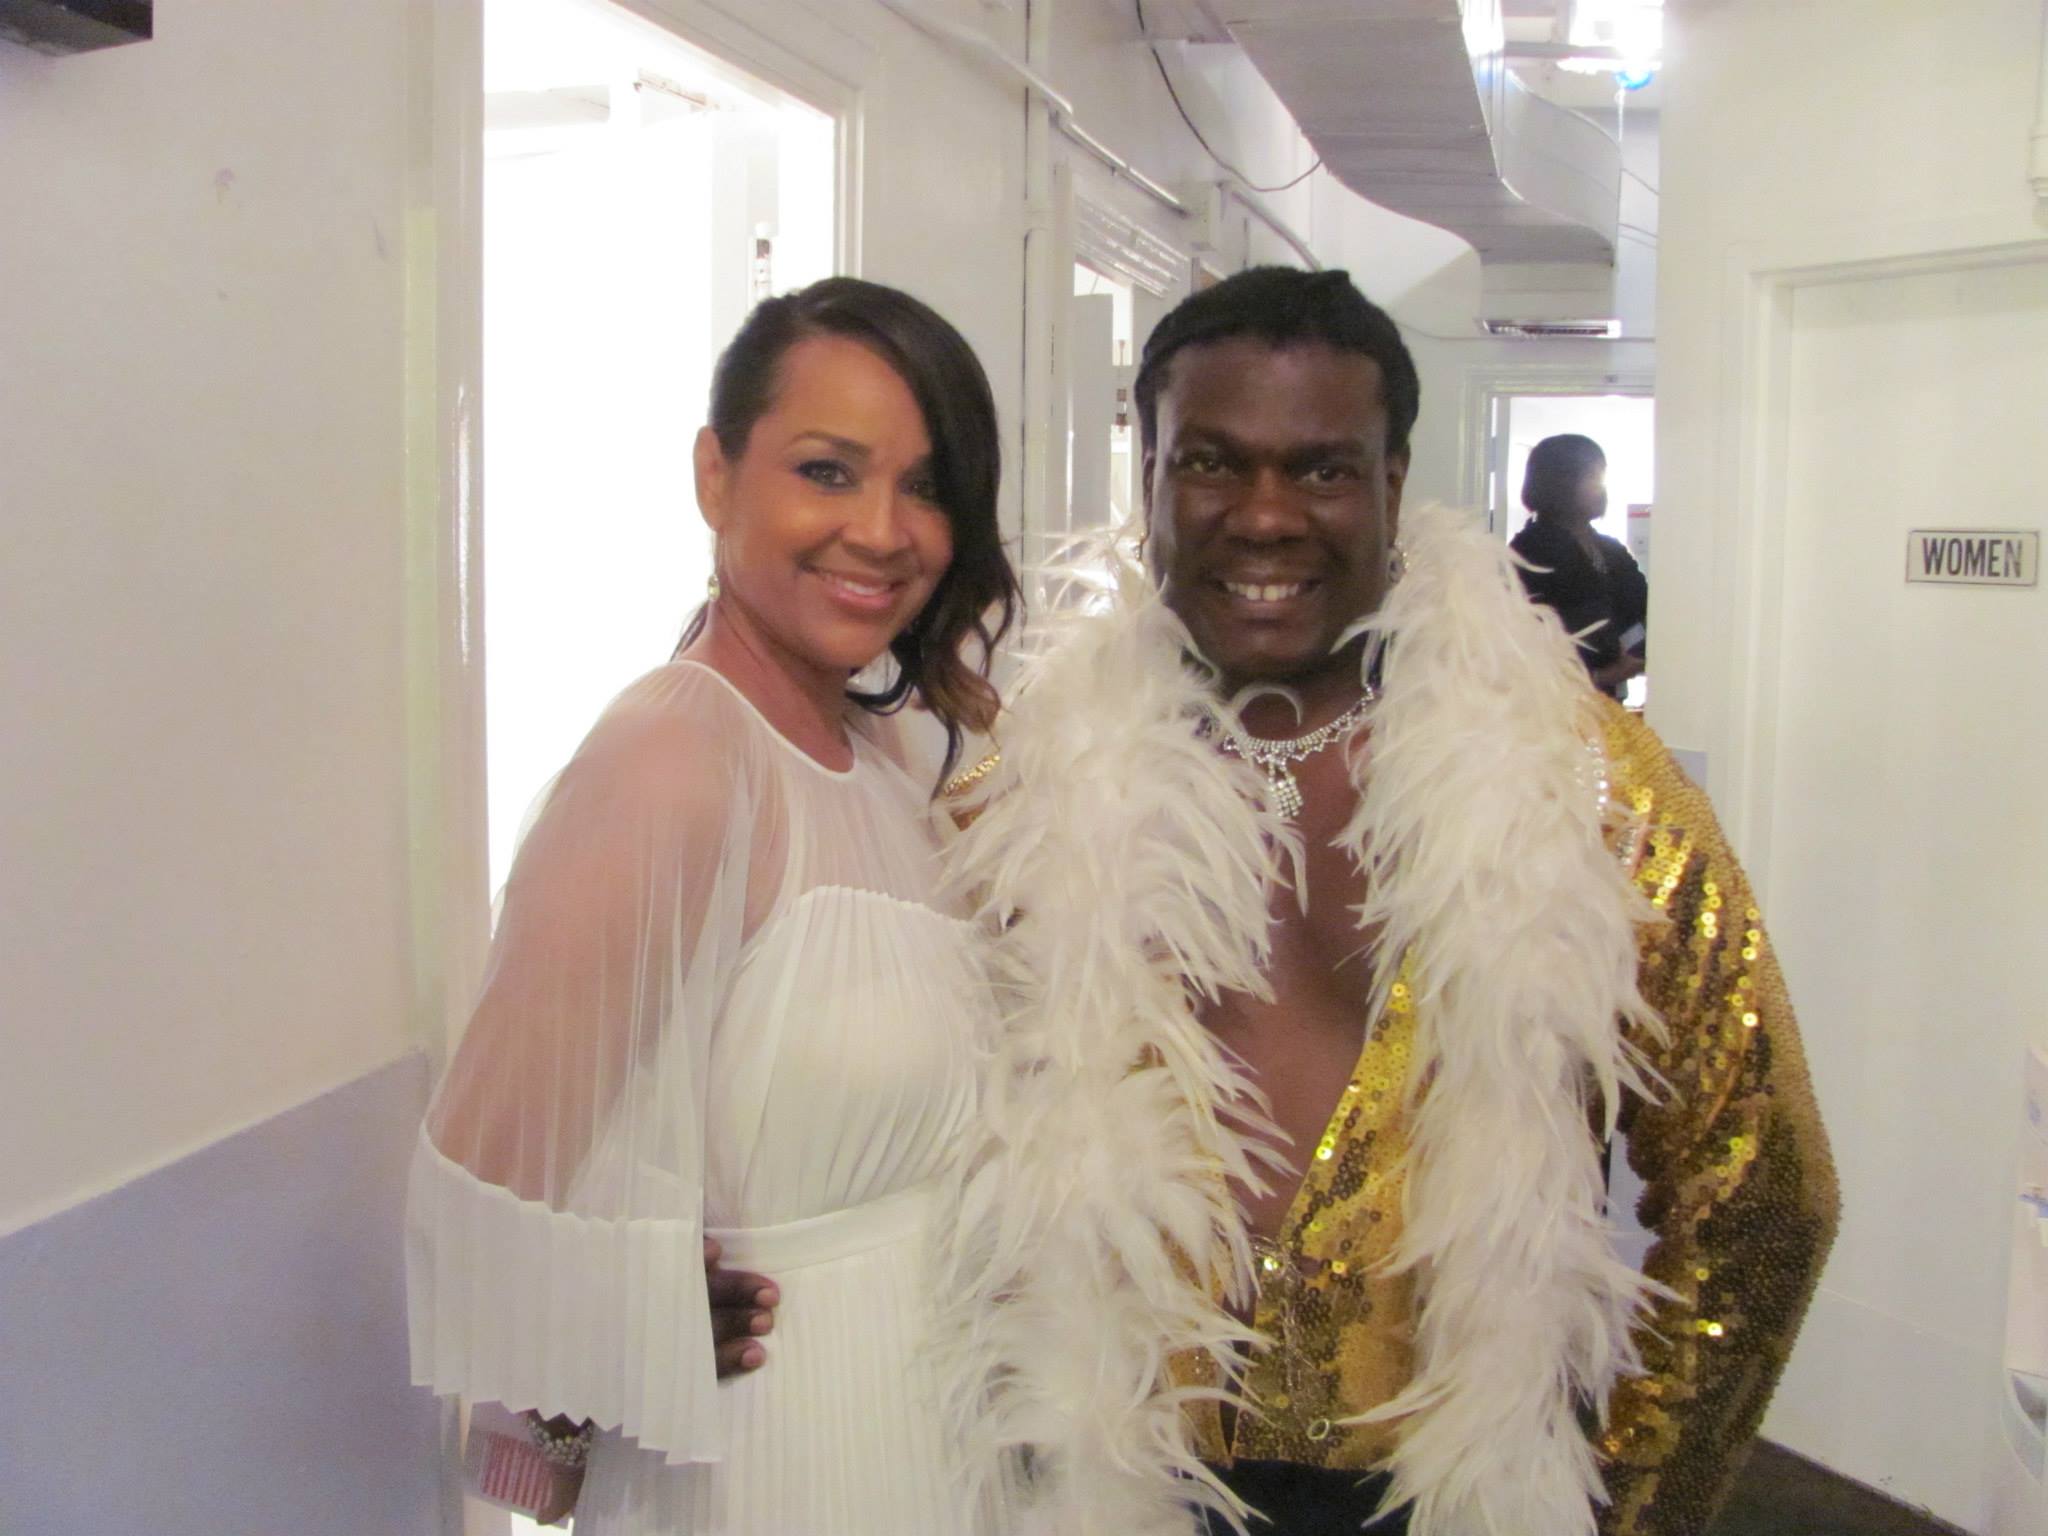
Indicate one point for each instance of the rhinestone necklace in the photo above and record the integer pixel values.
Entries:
(1275, 759)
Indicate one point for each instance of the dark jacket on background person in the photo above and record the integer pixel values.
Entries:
(1616, 597)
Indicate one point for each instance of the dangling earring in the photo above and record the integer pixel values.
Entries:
(711, 588)
(1397, 566)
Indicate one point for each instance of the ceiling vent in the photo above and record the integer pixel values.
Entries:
(1553, 330)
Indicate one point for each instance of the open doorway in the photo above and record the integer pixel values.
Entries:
(1101, 458)
(1625, 427)
(640, 195)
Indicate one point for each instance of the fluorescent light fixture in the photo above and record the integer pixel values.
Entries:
(1552, 330)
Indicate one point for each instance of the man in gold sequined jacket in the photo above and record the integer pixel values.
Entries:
(1341, 927)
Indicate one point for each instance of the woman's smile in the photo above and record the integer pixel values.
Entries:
(863, 595)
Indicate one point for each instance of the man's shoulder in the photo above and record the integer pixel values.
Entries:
(1642, 774)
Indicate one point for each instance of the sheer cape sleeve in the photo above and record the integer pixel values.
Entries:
(555, 1229)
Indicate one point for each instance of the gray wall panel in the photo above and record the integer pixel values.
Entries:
(219, 1348)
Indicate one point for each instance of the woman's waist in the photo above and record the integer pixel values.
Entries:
(899, 1219)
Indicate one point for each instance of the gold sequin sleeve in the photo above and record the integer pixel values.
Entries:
(1740, 1191)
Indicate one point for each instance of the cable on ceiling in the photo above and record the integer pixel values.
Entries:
(1159, 61)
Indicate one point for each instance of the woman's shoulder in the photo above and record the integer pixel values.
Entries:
(677, 733)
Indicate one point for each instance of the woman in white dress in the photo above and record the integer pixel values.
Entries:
(723, 1000)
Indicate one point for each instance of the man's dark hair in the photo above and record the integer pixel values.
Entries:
(1284, 307)
(1550, 485)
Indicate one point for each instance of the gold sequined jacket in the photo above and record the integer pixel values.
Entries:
(1739, 1194)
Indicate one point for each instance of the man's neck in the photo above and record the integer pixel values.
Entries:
(1323, 694)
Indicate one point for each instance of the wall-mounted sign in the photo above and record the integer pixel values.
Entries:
(1974, 557)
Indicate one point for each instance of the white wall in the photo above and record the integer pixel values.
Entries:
(202, 777)
(1846, 351)
(943, 173)
(1912, 954)
(1785, 124)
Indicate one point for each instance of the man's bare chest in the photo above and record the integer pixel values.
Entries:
(1302, 1043)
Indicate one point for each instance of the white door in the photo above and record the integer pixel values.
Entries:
(1908, 877)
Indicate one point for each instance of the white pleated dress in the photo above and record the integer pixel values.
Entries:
(722, 999)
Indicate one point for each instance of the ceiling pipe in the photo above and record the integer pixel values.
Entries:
(1075, 134)
(1558, 52)
(1068, 126)
(1043, 480)
(1266, 216)
(1064, 122)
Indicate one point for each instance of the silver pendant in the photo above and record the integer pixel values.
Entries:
(1286, 792)
(1272, 758)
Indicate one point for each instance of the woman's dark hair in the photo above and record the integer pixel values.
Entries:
(1550, 485)
(977, 599)
(1284, 307)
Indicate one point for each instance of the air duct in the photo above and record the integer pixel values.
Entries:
(1411, 104)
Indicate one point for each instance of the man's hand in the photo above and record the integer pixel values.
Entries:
(742, 1310)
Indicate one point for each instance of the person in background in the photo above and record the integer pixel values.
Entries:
(1590, 579)
(725, 999)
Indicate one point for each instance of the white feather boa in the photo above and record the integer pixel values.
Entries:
(1129, 866)
(1126, 865)
(1483, 826)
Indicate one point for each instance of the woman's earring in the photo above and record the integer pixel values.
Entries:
(1397, 565)
(711, 587)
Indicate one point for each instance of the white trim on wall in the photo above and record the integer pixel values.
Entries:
(448, 909)
(1761, 281)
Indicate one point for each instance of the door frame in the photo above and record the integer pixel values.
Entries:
(799, 46)
(1487, 384)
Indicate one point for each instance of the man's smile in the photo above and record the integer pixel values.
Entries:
(1265, 594)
